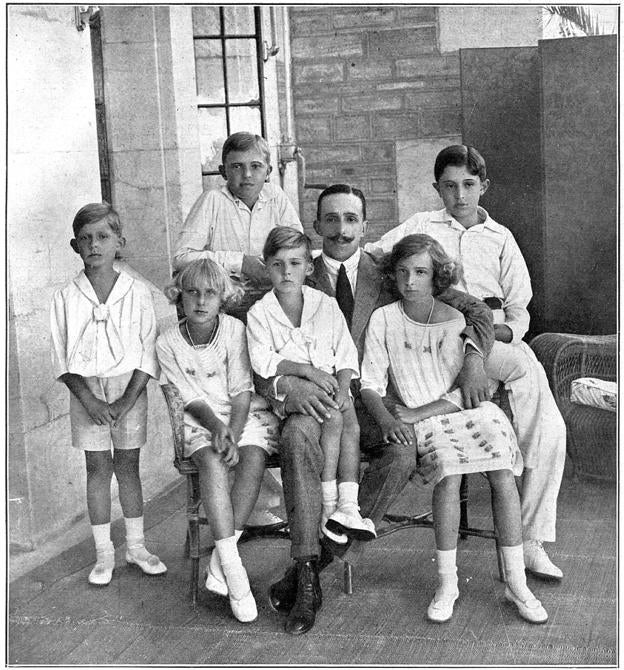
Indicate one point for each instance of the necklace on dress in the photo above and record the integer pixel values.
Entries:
(210, 338)
(405, 342)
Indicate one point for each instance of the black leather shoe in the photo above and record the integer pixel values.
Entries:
(282, 594)
(308, 599)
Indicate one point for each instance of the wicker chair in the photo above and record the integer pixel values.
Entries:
(187, 468)
(591, 439)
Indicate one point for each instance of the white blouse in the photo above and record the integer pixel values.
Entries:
(94, 339)
(323, 338)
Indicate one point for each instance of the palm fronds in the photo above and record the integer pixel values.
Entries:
(574, 18)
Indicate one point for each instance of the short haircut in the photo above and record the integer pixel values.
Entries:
(284, 237)
(341, 188)
(243, 142)
(214, 276)
(94, 212)
(446, 271)
(461, 155)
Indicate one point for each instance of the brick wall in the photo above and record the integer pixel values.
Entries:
(363, 79)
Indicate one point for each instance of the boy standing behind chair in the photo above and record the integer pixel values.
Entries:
(229, 225)
(495, 271)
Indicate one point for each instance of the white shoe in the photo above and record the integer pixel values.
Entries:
(346, 519)
(149, 563)
(102, 571)
(215, 583)
(264, 518)
(441, 610)
(530, 610)
(338, 538)
(536, 562)
(244, 608)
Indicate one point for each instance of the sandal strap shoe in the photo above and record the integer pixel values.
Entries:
(441, 610)
(244, 609)
(530, 610)
(214, 584)
(152, 565)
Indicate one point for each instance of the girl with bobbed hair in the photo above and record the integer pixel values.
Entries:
(415, 343)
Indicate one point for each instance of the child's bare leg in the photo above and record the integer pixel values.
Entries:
(215, 491)
(445, 507)
(349, 463)
(507, 518)
(247, 481)
(446, 525)
(126, 465)
(99, 474)
(331, 431)
(347, 519)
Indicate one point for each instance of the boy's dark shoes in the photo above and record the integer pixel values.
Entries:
(308, 599)
(282, 593)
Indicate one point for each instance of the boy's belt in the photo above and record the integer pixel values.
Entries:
(493, 303)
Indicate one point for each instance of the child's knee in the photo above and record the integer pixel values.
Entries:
(99, 464)
(501, 479)
(449, 485)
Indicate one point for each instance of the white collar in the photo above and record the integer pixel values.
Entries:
(311, 303)
(120, 287)
(350, 264)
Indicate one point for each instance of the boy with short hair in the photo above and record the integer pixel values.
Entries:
(297, 330)
(229, 225)
(495, 271)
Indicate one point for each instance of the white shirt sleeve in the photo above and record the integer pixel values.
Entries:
(175, 373)
(264, 359)
(58, 327)
(516, 284)
(195, 237)
(375, 362)
(147, 335)
(239, 377)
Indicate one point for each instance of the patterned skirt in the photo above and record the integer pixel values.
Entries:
(473, 440)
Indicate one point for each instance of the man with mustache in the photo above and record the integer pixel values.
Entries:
(346, 272)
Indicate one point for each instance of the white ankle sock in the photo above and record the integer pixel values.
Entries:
(104, 550)
(329, 497)
(134, 532)
(348, 493)
(513, 559)
(447, 572)
(215, 561)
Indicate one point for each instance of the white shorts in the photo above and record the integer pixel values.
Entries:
(131, 433)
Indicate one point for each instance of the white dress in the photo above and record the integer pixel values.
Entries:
(215, 373)
(423, 360)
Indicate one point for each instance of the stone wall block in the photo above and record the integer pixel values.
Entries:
(319, 72)
(369, 70)
(402, 42)
(371, 102)
(363, 17)
(427, 66)
(387, 126)
(332, 154)
(414, 15)
(314, 129)
(327, 46)
(303, 23)
(436, 122)
(321, 103)
(352, 127)
(378, 152)
(447, 98)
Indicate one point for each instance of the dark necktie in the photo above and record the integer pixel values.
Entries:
(344, 295)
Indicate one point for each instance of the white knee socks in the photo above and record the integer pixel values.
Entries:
(215, 560)
(513, 560)
(234, 573)
(447, 572)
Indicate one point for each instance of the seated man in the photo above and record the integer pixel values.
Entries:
(344, 271)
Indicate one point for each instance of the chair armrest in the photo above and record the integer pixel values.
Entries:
(175, 406)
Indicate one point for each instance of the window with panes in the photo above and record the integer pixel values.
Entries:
(229, 74)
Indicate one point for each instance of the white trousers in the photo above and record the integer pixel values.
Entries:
(541, 434)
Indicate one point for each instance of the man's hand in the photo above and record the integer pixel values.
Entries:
(98, 410)
(306, 397)
(253, 268)
(323, 379)
(473, 381)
